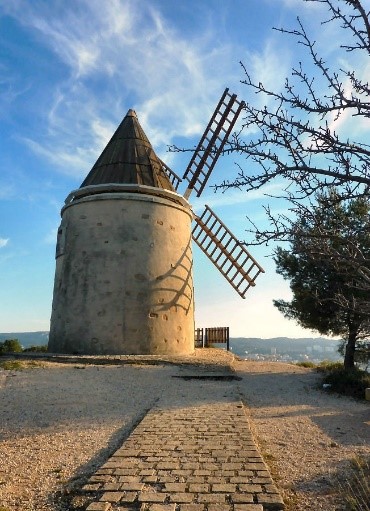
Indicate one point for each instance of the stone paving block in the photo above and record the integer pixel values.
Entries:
(162, 507)
(248, 507)
(167, 479)
(209, 466)
(242, 498)
(130, 479)
(129, 496)
(261, 480)
(202, 472)
(175, 487)
(151, 479)
(152, 497)
(191, 507)
(168, 465)
(111, 496)
(251, 488)
(100, 479)
(99, 506)
(218, 507)
(180, 472)
(197, 479)
(182, 497)
(91, 487)
(130, 453)
(271, 499)
(224, 488)
(190, 465)
(111, 486)
(232, 466)
(263, 473)
(255, 466)
(228, 473)
(270, 488)
(126, 471)
(132, 486)
(215, 479)
(240, 480)
(212, 498)
(199, 488)
(147, 472)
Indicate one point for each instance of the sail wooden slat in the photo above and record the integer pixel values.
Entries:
(238, 266)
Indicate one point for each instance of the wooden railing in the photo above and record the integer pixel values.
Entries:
(205, 337)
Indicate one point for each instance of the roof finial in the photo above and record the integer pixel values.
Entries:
(131, 113)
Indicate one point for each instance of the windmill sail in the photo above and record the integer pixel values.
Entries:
(212, 142)
(229, 256)
(173, 177)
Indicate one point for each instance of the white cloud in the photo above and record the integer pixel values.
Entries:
(4, 242)
(72, 159)
(7, 190)
(235, 196)
(298, 5)
(176, 81)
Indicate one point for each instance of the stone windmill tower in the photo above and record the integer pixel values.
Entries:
(123, 280)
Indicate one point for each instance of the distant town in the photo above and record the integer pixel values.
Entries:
(284, 349)
(277, 349)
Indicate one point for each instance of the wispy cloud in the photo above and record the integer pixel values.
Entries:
(7, 190)
(298, 5)
(233, 197)
(175, 80)
(4, 242)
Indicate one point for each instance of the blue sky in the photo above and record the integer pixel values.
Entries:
(70, 70)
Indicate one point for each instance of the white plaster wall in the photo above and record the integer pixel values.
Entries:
(123, 281)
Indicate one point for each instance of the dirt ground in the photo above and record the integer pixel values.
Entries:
(61, 421)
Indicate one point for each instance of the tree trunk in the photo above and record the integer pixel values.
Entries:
(349, 357)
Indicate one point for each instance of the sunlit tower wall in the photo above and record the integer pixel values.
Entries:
(123, 280)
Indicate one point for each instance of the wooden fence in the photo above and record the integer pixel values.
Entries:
(205, 337)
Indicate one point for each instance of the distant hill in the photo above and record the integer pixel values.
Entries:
(27, 339)
(318, 348)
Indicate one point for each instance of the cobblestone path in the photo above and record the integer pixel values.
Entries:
(187, 456)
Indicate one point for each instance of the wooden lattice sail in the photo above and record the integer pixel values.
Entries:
(173, 177)
(229, 256)
(212, 142)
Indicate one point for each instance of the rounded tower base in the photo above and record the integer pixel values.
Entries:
(123, 281)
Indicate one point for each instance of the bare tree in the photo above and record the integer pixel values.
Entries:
(295, 138)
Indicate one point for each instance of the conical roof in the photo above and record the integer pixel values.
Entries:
(128, 159)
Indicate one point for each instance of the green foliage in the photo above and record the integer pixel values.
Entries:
(307, 364)
(12, 365)
(355, 486)
(351, 382)
(19, 365)
(41, 349)
(326, 366)
(330, 294)
(10, 346)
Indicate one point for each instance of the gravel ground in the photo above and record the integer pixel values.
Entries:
(307, 435)
(61, 421)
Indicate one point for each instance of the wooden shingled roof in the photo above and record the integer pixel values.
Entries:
(129, 159)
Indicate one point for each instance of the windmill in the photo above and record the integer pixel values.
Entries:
(123, 280)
